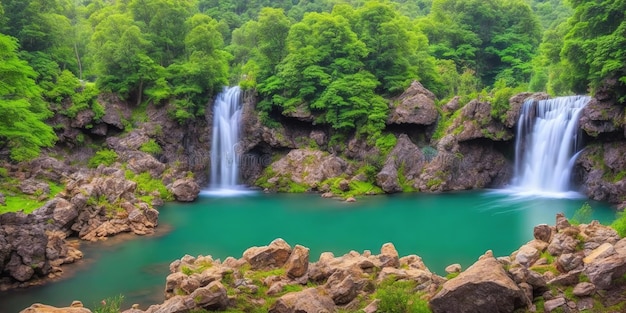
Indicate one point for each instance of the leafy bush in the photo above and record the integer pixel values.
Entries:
(104, 156)
(386, 143)
(151, 146)
(400, 297)
(146, 185)
(620, 224)
(110, 305)
(582, 215)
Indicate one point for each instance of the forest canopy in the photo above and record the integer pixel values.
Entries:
(338, 59)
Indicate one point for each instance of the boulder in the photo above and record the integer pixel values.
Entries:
(416, 105)
(308, 300)
(308, 167)
(484, 287)
(542, 232)
(603, 272)
(298, 263)
(584, 289)
(551, 305)
(343, 286)
(598, 168)
(527, 255)
(406, 156)
(185, 189)
(267, 257)
(212, 296)
(76, 307)
(389, 256)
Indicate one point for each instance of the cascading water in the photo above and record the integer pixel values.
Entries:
(548, 140)
(224, 157)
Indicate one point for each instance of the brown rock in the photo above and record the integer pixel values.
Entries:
(453, 268)
(342, 286)
(298, 263)
(273, 256)
(42, 308)
(542, 232)
(551, 305)
(389, 256)
(584, 289)
(212, 296)
(308, 300)
(526, 255)
(185, 189)
(483, 287)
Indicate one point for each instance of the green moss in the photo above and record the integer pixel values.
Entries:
(386, 143)
(151, 147)
(147, 185)
(16, 201)
(104, 156)
(400, 297)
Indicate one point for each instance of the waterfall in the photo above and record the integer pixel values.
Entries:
(224, 155)
(548, 140)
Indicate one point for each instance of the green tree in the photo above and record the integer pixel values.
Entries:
(120, 52)
(22, 111)
(593, 48)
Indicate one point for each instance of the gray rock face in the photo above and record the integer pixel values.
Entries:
(415, 106)
(597, 170)
(484, 287)
(405, 156)
(603, 272)
(462, 166)
(601, 118)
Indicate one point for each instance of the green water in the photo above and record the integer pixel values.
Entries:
(442, 229)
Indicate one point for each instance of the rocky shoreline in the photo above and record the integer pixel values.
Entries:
(565, 268)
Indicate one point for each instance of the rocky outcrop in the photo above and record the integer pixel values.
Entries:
(601, 171)
(461, 166)
(475, 121)
(405, 160)
(416, 105)
(305, 167)
(603, 119)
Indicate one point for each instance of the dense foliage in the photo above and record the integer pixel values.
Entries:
(339, 60)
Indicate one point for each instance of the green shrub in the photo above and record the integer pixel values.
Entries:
(146, 185)
(109, 305)
(400, 297)
(152, 147)
(104, 156)
(582, 215)
(386, 143)
(620, 224)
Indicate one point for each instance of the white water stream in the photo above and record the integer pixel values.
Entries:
(224, 155)
(548, 140)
